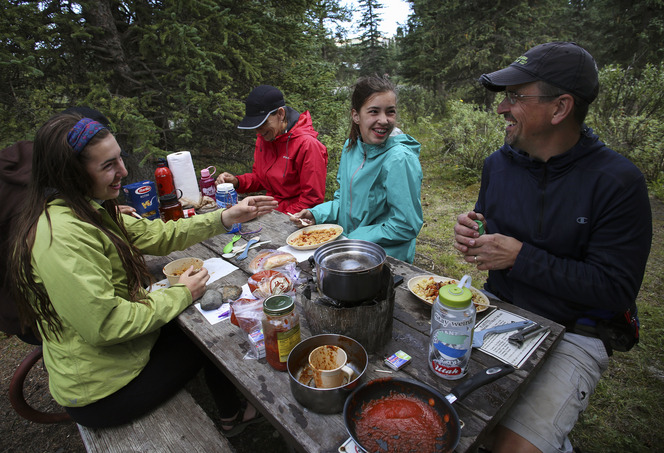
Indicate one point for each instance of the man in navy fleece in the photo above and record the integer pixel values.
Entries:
(568, 232)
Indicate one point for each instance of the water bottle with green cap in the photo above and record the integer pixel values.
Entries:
(452, 322)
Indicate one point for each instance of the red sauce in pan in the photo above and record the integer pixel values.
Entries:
(400, 423)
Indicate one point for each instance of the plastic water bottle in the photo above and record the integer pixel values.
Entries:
(226, 197)
(207, 183)
(452, 322)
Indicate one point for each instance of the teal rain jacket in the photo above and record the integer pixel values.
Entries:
(379, 195)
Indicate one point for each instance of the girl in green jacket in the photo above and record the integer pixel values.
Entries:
(78, 274)
(379, 176)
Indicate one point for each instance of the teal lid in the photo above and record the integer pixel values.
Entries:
(455, 297)
(278, 305)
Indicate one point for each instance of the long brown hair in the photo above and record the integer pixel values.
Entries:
(59, 173)
(363, 90)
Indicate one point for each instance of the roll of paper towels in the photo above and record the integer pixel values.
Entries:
(184, 175)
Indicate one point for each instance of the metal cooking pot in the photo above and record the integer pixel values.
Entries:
(349, 271)
(325, 401)
(450, 431)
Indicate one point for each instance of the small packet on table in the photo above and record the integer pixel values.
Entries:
(398, 360)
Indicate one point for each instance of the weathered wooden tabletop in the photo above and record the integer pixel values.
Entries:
(269, 390)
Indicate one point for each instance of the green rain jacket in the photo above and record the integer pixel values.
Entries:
(106, 339)
(379, 195)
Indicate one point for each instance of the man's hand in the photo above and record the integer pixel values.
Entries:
(488, 251)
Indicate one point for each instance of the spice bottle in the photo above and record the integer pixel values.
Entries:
(452, 322)
(281, 330)
(226, 197)
(207, 183)
(164, 178)
(170, 208)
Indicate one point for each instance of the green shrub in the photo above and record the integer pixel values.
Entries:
(629, 116)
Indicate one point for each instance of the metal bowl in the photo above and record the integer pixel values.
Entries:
(324, 401)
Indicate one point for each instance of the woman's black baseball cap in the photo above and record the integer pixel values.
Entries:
(262, 101)
(565, 65)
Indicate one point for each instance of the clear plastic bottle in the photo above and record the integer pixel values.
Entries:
(226, 197)
(281, 330)
(452, 322)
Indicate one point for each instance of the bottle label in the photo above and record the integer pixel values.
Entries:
(286, 341)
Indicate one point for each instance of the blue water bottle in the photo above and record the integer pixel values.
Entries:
(226, 197)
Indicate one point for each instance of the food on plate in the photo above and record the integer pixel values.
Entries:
(314, 237)
(269, 283)
(271, 259)
(428, 288)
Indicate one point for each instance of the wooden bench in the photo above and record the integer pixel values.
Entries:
(178, 425)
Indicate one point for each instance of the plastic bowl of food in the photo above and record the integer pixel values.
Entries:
(174, 269)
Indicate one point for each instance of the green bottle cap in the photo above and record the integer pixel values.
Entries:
(278, 305)
(455, 297)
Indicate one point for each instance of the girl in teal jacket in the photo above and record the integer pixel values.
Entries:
(379, 176)
(78, 275)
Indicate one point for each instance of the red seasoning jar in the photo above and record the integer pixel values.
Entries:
(170, 208)
(281, 330)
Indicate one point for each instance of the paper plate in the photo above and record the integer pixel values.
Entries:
(324, 226)
(479, 299)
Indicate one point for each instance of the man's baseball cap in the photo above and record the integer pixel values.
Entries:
(565, 65)
(262, 101)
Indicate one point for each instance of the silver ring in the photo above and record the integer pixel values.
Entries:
(476, 258)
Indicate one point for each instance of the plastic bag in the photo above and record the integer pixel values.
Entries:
(269, 283)
(272, 259)
(247, 314)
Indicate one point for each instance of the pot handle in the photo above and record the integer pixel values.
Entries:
(478, 380)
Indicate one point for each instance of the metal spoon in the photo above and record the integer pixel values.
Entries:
(229, 247)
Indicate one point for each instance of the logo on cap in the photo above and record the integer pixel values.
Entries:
(522, 60)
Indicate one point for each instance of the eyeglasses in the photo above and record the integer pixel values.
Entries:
(512, 97)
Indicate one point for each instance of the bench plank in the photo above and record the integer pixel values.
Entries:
(178, 425)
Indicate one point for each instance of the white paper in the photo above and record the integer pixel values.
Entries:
(498, 346)
(300, 255)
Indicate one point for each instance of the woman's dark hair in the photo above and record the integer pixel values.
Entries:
(59, 173)
(363, 90)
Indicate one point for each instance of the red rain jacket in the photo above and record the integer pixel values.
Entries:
(291, 168)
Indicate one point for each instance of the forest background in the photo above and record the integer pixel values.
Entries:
(172, 75)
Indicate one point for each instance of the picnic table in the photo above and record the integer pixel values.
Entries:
(269, 390)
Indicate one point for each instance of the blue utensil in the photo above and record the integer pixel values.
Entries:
(246, 249)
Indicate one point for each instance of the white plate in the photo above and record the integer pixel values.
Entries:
(323, 226)
(479, 299)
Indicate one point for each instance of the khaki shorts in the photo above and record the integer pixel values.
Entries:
(548, 408)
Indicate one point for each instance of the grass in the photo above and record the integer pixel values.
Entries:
(626, 413)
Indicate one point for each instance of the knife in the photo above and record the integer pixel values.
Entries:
(478, 336)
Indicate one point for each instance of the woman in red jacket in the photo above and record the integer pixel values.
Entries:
(290, 164)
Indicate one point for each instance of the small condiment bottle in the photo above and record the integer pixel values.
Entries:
(281, 329)
(170, 208)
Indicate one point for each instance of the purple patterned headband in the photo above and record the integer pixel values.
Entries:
(82, 132)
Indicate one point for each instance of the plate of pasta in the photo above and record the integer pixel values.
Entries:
(314, 236)
(426, 287)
